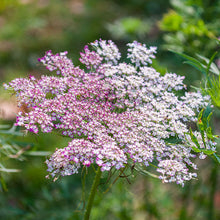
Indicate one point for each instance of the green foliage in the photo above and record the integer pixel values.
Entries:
(13, 149)
(9, 148)
(129, 28)
(172, 21)
(214, 90)
(211, 88)
(206, 66)
(205, 131)
(190, 26)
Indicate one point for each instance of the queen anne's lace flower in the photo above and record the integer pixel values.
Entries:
(115, 113)
(108, 50)
(139, 54)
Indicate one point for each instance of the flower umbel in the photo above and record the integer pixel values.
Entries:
(115, 112)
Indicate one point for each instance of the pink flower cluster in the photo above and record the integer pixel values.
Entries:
(115, 112)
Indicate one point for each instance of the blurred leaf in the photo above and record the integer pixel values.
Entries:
(181, 6)
(3, 169)
(4, 126)
(131, 24)
(144, 171)
(3, 184)
(193, 21)
(192, 61)
(217, 158)
(38, 153)
(10, 148)
(129, 28)
(12, 131)
(213, 68)
(213, 90)
(171, 21)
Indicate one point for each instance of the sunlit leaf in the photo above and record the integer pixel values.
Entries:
(194, 139)
(196, 149)
(208, 152)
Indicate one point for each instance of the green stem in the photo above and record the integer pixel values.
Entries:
(92, 194)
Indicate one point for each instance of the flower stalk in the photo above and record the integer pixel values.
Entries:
(92, 194)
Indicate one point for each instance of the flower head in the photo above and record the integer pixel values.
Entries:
(115, 112)
(139, 54)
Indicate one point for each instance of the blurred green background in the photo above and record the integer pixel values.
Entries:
(28, 28)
